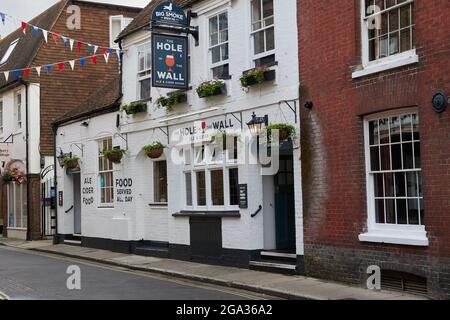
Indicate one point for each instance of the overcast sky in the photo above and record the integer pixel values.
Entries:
(28, 9)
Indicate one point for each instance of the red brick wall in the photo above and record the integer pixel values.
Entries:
(63, 91)
(332, 133)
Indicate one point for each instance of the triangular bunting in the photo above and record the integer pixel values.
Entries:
(95, 49)
(48, 68)
(82, 61)
(27, 72)
(24, 27)
(90, 48)
(94, 59)
(61, 66)
(16, 73)
(55, 37)
(71, 42)
(64, 39)
(38, 70)
(110, 50)
(6, 74)
(118, 54)
(36, 30)
(72, 64)
(106, 56)
(79, 46)
(45, 34)
(105, 50)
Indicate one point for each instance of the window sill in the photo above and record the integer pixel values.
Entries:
(410, 238)
(158, 205)
(404, 59)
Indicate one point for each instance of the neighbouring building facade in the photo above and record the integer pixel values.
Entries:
(199, 200)
(375, 154)
(29, 103)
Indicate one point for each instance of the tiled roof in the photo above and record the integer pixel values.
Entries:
(107, 98)
(28, 44)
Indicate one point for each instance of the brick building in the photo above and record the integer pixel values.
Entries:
(375, 155)
(28, 105)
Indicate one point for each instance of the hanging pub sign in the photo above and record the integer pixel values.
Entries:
(170, 13)
(170, 68)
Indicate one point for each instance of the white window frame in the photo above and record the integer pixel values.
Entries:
(382, 64)
(414, 235)
(145, 73)
(124, 22)
(210, 47)
(8, 52)
(100, 172)
(262, 29)
(18, 110)
(207, 166)
(23, 208)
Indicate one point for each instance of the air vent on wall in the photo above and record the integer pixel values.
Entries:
(405, 282)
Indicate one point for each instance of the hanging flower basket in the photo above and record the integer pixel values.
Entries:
(211, 88)
(257, 75)
(134, 108)
(285, 131)
(114, 155)
(154, 150)
(10, 175)
(70, 163)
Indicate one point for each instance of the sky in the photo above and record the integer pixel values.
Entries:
(28, 9)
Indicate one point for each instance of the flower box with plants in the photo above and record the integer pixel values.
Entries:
(134, 107)
(70, 162)
(211, 88)
(256, 76)
(171, 100)
(10, 175)
(286, 131)
(154, 150)
(114, 155)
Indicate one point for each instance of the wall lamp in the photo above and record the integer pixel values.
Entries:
(309, 105)
(85, 124)
(255, 124)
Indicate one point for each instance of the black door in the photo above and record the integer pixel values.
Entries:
(285, 205)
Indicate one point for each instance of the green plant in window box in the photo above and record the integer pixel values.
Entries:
(211, 88)
(171, 100)
(114, 155)
(70, 162)
(134, 107)
(256, 76)
(154, 150)
(286, 131)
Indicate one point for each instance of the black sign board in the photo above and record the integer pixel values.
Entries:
(170, 68)
(60, 198)
(169, 13)
(243, 196)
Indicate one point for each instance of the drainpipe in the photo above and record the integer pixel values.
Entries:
(55, 168)
(27, 161)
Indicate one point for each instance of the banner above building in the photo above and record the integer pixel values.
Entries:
(171, 13)
(170, 62)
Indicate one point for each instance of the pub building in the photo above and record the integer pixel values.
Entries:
(194, 74)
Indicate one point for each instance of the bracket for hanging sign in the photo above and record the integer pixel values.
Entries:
(290, 106)
(79, 146)
(123, 138)
(165, 132)
(239, 119)
(9, 140)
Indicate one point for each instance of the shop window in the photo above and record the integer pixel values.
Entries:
(217, 196)
(106, 185)
(188, 185)
(160, 181)
(201, 188)
(17, 205)
(233, 176)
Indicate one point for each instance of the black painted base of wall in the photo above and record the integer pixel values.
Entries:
(227, 257)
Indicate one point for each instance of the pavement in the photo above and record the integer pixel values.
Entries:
(284, 286)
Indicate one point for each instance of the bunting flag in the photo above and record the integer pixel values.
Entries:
(118, 54)
(48, 67)
(106, 56)
(93, 48)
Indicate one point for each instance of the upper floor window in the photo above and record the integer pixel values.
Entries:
(18, 109)
(388, 28)
(105, 174)
(263, 28)
(8, 52)
(218, 45)
(116, 25)
(144, 71)
(395, 175)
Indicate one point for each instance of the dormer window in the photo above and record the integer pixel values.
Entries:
(8, 52)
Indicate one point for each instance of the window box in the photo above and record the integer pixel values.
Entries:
(211, 88)
(134, 108)
(257, 76)
(171, 100)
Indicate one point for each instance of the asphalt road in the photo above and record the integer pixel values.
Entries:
(30, 275)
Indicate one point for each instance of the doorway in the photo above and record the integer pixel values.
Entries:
(285, 204)
(77, 203)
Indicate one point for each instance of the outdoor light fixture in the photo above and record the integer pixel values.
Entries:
(440, 102)
(309, 105)
(85, 124)
(62, 156)
(255, 125)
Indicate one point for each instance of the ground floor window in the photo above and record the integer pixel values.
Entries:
(105, 168)
(17, 205)
(160, 181)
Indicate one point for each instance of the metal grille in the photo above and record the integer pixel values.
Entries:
(48, 203)
(405, 282)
